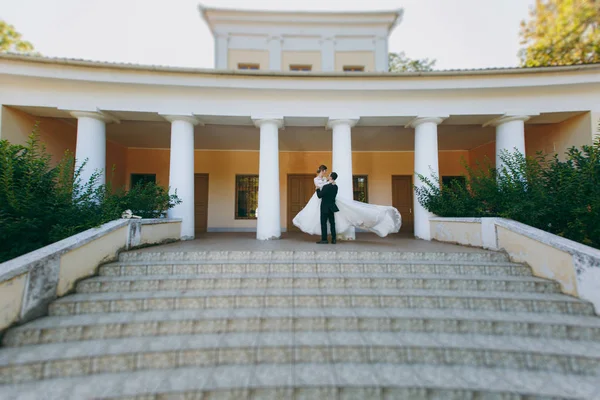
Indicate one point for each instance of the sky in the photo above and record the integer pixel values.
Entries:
(457, 33)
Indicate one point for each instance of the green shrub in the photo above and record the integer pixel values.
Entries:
(561, 197)
(41, 204)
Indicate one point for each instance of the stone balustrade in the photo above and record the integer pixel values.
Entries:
(574, 265)
(30, 282)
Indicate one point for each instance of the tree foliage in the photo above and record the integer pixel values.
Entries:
(11, 40)
(41, 204)
(399, 62)
(561, 197)
(561, 32)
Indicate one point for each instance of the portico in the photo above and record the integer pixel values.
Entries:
(175, 148)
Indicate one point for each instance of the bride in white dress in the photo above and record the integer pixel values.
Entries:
(381, 220)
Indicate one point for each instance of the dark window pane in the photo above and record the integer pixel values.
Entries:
(353, 68)
(360, 187)
(450, 180)
(246, 196)
(300, 67)
(142, 179)
(248, 66)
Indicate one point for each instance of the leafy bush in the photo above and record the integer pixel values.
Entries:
(41, 204)
(561, 197)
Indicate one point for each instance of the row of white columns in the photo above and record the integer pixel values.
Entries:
(510, 136)
(91, 150)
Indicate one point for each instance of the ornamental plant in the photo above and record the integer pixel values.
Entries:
(41, 203)
(560, 197)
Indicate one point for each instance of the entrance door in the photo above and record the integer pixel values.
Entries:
(300, 190)
(201, 202)
(402, 200)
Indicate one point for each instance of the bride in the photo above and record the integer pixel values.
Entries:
(381, 220)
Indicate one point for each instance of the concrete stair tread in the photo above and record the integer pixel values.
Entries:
(341, 267)
(427, 381)
(275, 255)
(315, 261)
(287, 340)
(315, 292)
(379, 275)
(263, 313)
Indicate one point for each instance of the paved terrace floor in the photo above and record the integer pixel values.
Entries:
(243, 241)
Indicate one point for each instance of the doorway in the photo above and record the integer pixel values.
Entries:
(201, 202)
(402, 200)
(300, 189)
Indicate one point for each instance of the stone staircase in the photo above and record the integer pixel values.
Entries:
(308, 325)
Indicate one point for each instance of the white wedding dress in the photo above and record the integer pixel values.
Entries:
(381, 220)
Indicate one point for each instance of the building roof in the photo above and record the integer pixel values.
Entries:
(215, 16)
(291, 74)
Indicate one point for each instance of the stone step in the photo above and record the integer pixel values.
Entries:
(60, 360)
(104, 284)
(319, 298)
(350, 266)
(310, 381)
(183, 322)
(317, 256)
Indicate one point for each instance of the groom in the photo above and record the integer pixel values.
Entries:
(328, 208)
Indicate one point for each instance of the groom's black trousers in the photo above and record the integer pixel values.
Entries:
(327, 216)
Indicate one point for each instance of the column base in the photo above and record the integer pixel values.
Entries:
(268, 238)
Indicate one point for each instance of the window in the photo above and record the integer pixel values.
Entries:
(246, 196)
(448, 181)
(142, 179)
(360, 188)
(354, 68)
(300, 67)
(248, 66)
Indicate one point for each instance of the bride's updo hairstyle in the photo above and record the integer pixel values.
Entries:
(322, 168)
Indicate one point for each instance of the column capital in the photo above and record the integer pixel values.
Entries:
(99, 115)
(258, 121)
(421, 120)
(327, 39)
(507, 118)
(275, 38)
(187, 118)
(351, 122)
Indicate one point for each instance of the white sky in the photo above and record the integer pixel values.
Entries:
(458, 33)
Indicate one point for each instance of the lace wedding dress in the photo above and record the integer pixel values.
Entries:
(381, 220)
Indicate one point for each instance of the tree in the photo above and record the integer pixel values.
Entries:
(561, 32)
(10, 40)
(399, 62)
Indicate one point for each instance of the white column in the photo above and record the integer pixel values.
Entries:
(268, 225)
(381, 54)
(426, 164)
(221, 51)
(181, 171)
(91, 145)
(341, 153)
(327, 54)
(594, 128)
(274, 45)
(510, 136)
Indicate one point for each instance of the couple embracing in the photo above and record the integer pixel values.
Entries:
(342, 214)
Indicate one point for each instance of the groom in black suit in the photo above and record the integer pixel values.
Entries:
(328, 208)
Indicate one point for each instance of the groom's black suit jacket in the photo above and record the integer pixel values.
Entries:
(327, 195)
